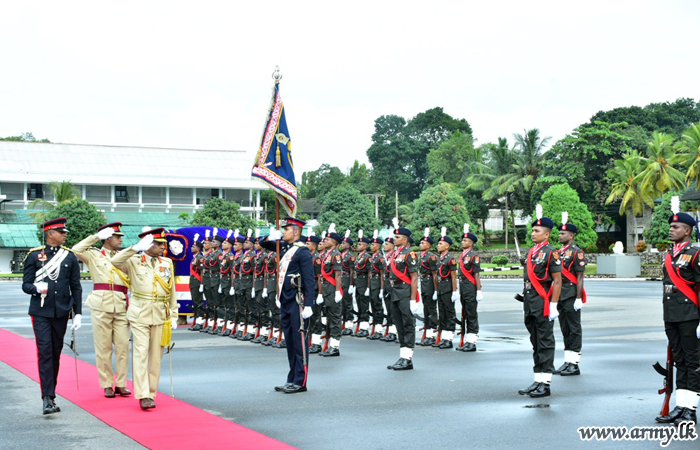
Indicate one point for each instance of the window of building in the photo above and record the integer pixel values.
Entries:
(35, 191)
(121, 194)
(214, 192)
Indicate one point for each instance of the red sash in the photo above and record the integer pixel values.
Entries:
(467, 274)
(571, 277)
(193, 273)
(327, 275)
(678, 281)
(532, 278)
(402, 275)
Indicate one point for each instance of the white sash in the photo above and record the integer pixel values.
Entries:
(53, 267)
(284, 265)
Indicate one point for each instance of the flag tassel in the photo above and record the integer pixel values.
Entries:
(278, 157)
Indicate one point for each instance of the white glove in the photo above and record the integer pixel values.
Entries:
(435, 295)
(351, 289)
(220, 291)
(144, 244)
(455, 296)
(479, 296)
(275, 235)
(77, 322)
(277, 303)
(252, 295)
(553, 311)
(367, 292)
(201, 288)
(319, 299)
(306, 312)
(381, 294)
(338, 296)
(105, 234)
(173, 324)
(42, 287)
(578, 304)
(698, 331)
(414, 306)
(264, 294)
(232, 291)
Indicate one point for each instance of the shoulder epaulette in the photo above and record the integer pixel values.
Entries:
(299, 244)
(66, 248)
(41, 247)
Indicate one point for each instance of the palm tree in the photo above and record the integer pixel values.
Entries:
(659, 175)
(627, 186)
(62, 191)
(688, 149)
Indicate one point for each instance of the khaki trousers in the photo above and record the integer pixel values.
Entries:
(111, 329)
(146, 360)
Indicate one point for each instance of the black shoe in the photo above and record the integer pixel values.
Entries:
(402, 364)
(248, 337)
(425, 342)
(391, 337)
(331, 351)
(226, 333)
(362, 334)
(257, 339)
(270, 341)
(281, 344)
(346, 332)
(294, 388)
(541, 391)
(688, 415)
(192, 327)
(529, 389)
(382, 338)
(445, 344)
(469, 347)
(205, 330)
(672, 416)
(571, 370)
(282, 388)
(562, 368)
(49, 406)
(375, 336)
(315, 348)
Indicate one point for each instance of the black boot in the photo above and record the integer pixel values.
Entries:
(672, 416)
(402, 364)
(332, 351)
(541, 391)
(571, 370)
(688, 415)
(529, 389)
(445, 344)
(562, 368)
(49, 406)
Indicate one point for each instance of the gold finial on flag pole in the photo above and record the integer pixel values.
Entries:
(276, 75)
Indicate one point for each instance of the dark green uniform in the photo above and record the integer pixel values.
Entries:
(427, 274)
(331, 263)
(376, 277)
(573, 260)
(404, 262)
(362, 266)
(469, 266)
(446, 307)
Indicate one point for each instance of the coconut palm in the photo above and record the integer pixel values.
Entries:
(688, 148)
(61, 190)
(626, 186)
(659, 175)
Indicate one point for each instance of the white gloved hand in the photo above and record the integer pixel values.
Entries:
(351, 289)
(319, 299)
(277, 303)
(252, 295)
(275, 235)
(414, 306)
(435, 295)
(455, 296)
(578, 304)
(220, 291)
(479, 296)
(232, 291)
(173, 324)
(698, 331)
(42, 287)
(201, 288)
(144, 244)
(381, 294)
(264, 294)
(367, 292)
(77, 322)
(306, 312)
(338, 296)
(553, 311)
(105, 234)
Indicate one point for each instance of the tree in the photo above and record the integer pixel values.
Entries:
(667, 117)
(317, 183)
(454, 159)
(626, 186)
(560, 198)
(440, 206)
(349, 209)
(659, 175)
(359, 177)
(221, 213)
(24, 137)
(61, 191)
(83, 219)
(657, 233)
(688, 149)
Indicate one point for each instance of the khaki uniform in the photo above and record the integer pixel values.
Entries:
(108, 302)
(154, 303)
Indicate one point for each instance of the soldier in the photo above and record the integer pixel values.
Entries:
(247, 290)
(259, 286)
(572, 297)
(52, 278)
(361, 271)
(542, 279)
(315, 324)
(347, 276)
(212, 280)
(330, 289)
(469, 290)
(428, 288)
(108, 302)
(390, 329)
(681, 284)
(238, 294)
(404, 290)
(376, 286)
(153, 306)
(196, 287)
(209, 323)
(217, 292)
(225, 273)
(447, 291)
(270, 293)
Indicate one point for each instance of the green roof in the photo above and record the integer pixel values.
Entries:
(18, 235)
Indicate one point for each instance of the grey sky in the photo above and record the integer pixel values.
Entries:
(197, 74)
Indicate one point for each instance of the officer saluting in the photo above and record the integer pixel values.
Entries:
(295, 259)
(681, 314)
(52, 278)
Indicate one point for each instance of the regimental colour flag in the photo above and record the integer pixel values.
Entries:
(273, 163)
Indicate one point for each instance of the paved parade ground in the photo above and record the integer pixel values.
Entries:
(451, 400)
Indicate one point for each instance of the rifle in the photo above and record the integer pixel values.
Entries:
(295, 280)
(667, 373)
(463, 324)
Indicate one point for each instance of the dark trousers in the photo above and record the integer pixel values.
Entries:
(263, 308)
(347, 310)
(362, 299)
(49, 333)
(296, 342)
(446, 311)
(238, 304)
(315, 325)
(570, 324)
(541, 331)
(197, 298)
(376, 303)
(272, 297)
(211, 291)
(685, 346)
(467, 296)
(223, 309)
(334, 310)
(430, 306)
(403, 317)
(387, 305)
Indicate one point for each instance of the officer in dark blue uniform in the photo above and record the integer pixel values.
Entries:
(300, 263)
(52, 278)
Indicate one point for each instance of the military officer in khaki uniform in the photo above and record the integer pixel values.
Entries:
(153, 306)
(108, 302)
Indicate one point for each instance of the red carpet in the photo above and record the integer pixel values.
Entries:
(172, 424)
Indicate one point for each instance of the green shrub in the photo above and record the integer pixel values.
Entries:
(500, 260)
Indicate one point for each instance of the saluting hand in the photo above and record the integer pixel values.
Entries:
(105, 234)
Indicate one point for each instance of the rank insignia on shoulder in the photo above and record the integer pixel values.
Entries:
(476, 259)
(433, 258)
(555, 254)
(337, 258)
(413, 254)
(580, 256)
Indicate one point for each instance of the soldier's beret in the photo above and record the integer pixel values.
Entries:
(389, 240)
(348, 240)
(471, 236)
(544, 222)
(315, 239)
(219, 238)
(336, 237)
(377, 241)
(403, 231)
(445, 239)
(364, 239)
(682, 218)
(427, 239)
(568, 227)
(303, 238)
